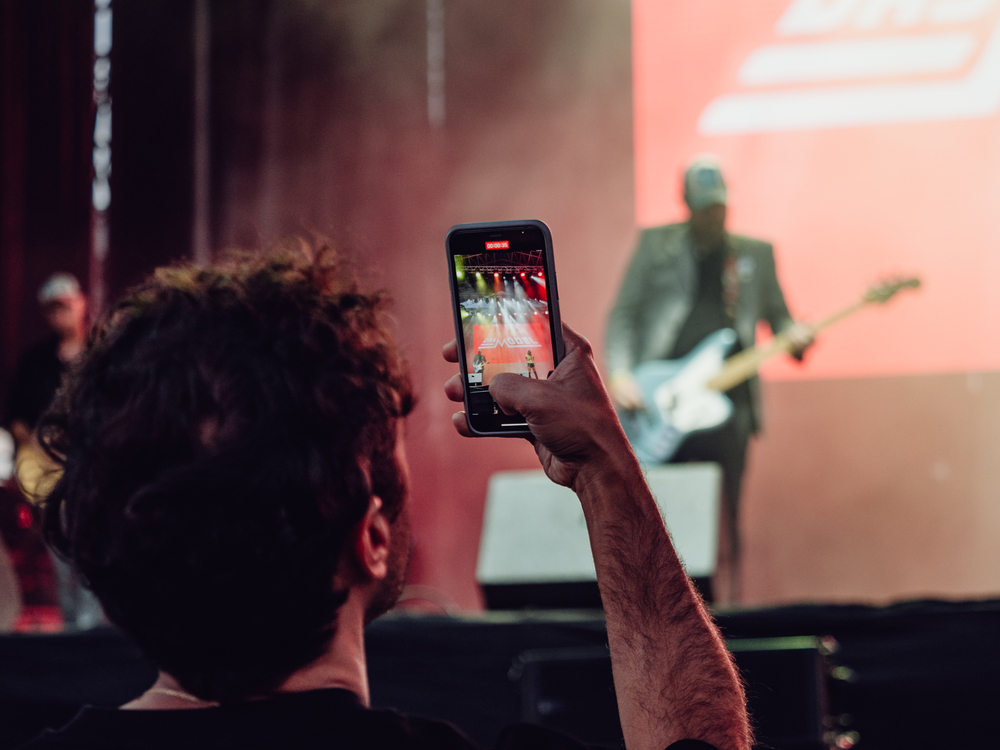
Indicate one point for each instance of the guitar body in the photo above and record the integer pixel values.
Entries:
(678, 400)
(686, 395)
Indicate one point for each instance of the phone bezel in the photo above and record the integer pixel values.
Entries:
(552, 298)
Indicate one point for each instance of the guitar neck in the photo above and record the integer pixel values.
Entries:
(743, 366)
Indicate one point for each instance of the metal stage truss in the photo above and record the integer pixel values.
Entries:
(506, 264)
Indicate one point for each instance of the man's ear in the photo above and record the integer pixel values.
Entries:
(371, 542)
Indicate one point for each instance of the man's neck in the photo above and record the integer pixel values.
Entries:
(71, 345)
(342, 666)
(707, 245)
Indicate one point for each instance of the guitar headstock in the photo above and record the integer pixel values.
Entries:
(883, 292)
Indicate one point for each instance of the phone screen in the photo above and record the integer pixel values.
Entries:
(503, 287)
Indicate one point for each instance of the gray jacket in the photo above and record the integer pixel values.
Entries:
(659, 292)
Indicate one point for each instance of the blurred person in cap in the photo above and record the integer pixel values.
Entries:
(37, 378)
(41, 367)
(685, 282)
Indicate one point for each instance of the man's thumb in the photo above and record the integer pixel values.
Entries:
(516, 393)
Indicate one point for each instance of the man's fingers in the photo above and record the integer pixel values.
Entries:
(455, 392)
(516, 394)
(574, 340)
(461, 424)
(453, 388)
(801, 334)
(513, 393)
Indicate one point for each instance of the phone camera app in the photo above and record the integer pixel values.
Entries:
(504, 309)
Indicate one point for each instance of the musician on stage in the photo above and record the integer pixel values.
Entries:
(686, 281)
(40, 368)
(479, 361)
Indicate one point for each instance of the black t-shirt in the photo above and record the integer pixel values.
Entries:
(314, 720)
(36, 380)
(709, 315)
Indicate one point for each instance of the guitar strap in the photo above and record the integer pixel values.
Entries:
(730, 284)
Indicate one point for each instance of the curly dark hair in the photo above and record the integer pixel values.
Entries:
(222, 433)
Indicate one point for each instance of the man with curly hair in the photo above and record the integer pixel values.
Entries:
(234, 491)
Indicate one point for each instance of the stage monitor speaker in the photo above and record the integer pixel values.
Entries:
(534, 549)
(571, 689)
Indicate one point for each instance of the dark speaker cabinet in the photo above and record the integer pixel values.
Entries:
(571, 689)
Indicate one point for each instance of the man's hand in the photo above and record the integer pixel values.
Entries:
(673, 677)
(802, 336)
(570, 415)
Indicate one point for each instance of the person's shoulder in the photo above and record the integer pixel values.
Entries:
(61, 738)
(40, 354)
(385, 729)
(44, 742)
(535, 737)
(664, 238)
(314, 719)
(414, 732)
(745, 245)
(666, 230)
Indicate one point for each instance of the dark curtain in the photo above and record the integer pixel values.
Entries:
(45, 158)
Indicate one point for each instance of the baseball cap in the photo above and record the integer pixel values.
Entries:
(58, 286)
(703, 183)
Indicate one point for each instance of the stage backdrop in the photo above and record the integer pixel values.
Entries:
(860, 136)
(874, 487)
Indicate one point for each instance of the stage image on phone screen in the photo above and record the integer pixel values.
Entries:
(505, 316)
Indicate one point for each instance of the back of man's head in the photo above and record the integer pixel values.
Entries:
(223, 432)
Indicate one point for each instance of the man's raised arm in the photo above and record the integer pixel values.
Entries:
(673, 676)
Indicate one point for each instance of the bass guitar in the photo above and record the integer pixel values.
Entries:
(687, 395)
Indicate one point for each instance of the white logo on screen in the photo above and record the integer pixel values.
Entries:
(512, 342)
(824, 80)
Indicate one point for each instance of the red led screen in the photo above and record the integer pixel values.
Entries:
(861, 138)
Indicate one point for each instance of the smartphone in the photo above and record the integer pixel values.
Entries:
(506, 304)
